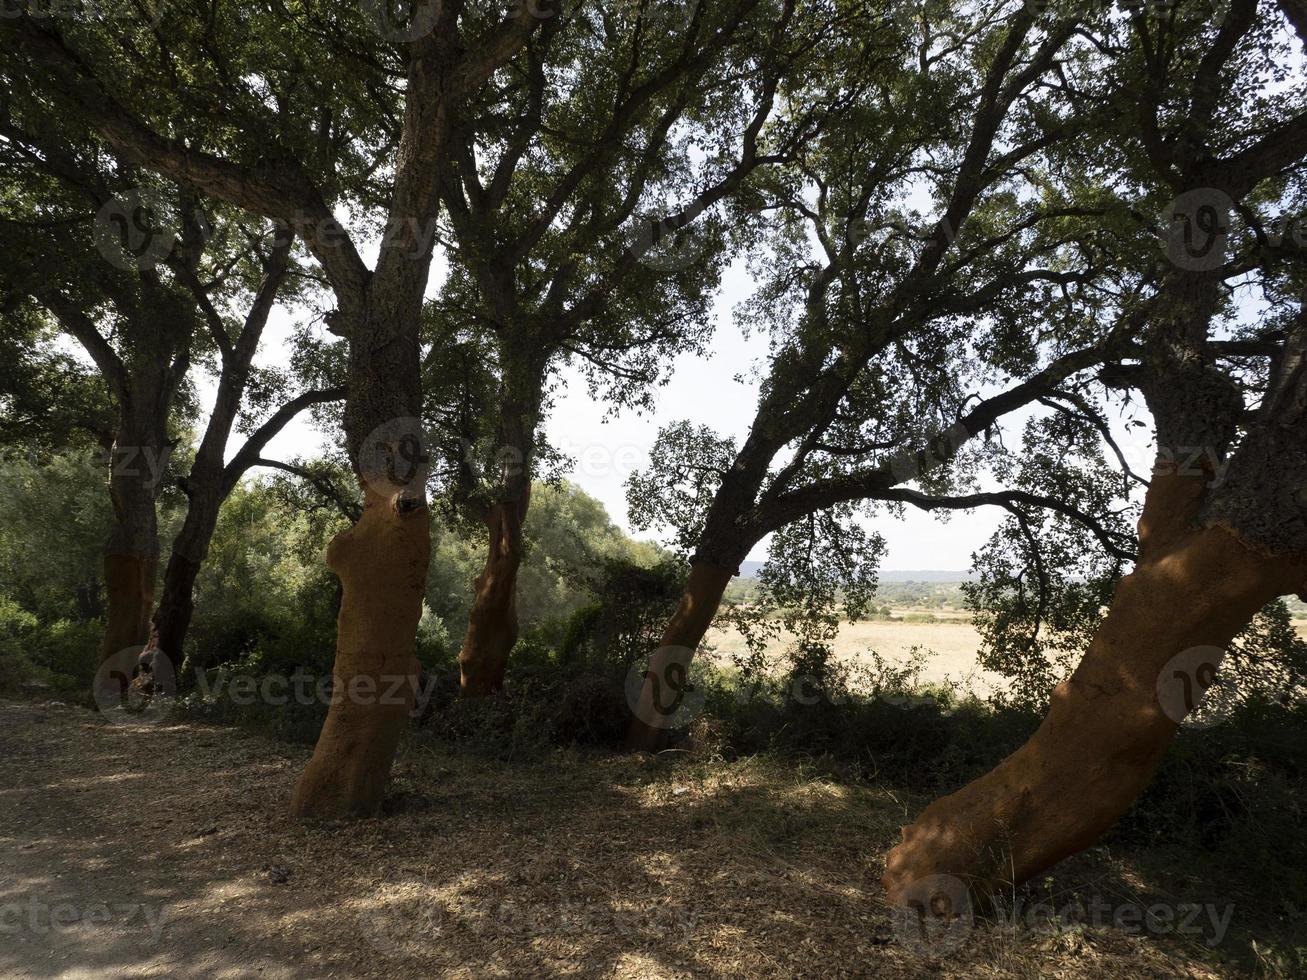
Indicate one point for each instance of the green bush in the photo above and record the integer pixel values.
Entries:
(60, 655)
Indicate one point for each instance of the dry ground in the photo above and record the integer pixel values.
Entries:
(166, 852)
(952, 646)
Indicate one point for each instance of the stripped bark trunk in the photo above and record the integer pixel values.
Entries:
(129, 593)
(492, 627)
(670, 664)
(131, 553)
(172, 617)
(382, 564)
(1106, 730)
(1209, 559)
(381, 561)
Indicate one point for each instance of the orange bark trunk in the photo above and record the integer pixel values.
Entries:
(1106, 730)
(669, 665)
(492, 626)
(382, 565)
(129, 588)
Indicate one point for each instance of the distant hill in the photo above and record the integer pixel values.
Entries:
(749, 569)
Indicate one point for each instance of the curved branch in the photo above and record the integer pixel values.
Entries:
(1012, 501)
(258, 441)
(328, 489)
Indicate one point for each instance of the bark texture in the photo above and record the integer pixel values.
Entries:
(492, 627)
(172, 617)
(1105, 731)
(131, 553)
(129, 591)
(685, 630)
(382, 565)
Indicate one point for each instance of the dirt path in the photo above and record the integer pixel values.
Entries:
(165, 852)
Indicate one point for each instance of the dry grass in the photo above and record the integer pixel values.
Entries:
(584, 866)
(952, 646)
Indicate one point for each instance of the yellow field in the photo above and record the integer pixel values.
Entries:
(953, 646)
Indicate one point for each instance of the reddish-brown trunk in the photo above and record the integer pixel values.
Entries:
(129, 592)
(382, 565)
(172, 618)
(492, 624)
(670, 663)
(1106, 730)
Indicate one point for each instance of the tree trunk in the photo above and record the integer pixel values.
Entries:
(131, 553)
(172, 618)
(129, 589)
(190, 548)
(382, 565)
(1107, 729)
(492, 626)
(669, 665)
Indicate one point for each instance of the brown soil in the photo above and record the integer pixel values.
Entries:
(580, 866)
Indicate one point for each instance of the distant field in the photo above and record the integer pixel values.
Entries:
(954, 645)
(953, 642)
